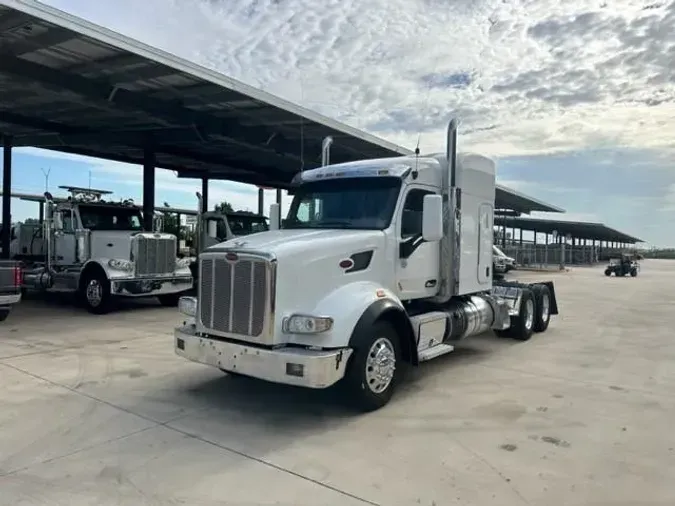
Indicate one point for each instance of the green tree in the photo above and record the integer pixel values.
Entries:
(224, 207)
(171, 224)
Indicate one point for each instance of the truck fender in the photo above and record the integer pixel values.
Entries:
(393, 312)
(354, 307)
(91, 265)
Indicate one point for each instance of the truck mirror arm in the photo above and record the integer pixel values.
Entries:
(408, 246)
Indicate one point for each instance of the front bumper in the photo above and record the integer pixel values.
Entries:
(291, 366)
(9, 299)
(148, 287)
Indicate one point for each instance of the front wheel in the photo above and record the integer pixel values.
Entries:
(633, 272)
(96, 294)
(608, 272)
(373, 371)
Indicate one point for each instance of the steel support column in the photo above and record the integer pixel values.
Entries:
(205, 194)
(279, 201)
(148, 187)
(261, 201)
(6, 195)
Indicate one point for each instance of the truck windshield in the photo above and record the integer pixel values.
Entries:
(97, 217)
(354, 203)
(245, 225)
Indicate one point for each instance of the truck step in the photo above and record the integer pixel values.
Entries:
(435, 351)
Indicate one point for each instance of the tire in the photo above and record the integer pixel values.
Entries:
(542, 317)
(169, 299)
(608, 272)
(365, 391)
(4, 313)
(95, 293)
(522, 325)
(633, 272)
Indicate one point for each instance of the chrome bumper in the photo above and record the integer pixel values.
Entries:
(8, 300)
(148, 287)
(291, 366)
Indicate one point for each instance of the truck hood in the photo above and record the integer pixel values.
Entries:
(307, 242)
(308, 262)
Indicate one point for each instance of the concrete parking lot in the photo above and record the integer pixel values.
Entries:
(97, 410)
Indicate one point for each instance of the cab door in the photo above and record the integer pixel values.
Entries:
(64, 240)
(417, 268)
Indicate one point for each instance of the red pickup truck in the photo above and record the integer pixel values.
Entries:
(10, 286)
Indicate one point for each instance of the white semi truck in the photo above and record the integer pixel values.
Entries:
(98, 250)
(215, 227)
(379, 262)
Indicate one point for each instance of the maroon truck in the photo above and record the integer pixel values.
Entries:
(10, 286)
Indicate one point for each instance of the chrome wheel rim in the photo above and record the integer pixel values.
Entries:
(529, 313)
(94, 293)
(380, 365)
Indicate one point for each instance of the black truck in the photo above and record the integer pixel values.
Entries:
(10, 286)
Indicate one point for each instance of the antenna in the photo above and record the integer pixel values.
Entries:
(302, 128)
(426, 109)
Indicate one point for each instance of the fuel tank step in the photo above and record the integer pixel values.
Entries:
(435, 351)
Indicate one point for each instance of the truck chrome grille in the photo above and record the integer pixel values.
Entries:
(154, 255)
(234, 297)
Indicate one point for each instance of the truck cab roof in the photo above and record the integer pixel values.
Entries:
(426, 165)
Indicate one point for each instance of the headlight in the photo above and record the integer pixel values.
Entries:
(121, 265)
(183, 262)
(307, 324)
(188, 306)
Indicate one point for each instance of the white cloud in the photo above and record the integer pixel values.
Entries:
(525, 76)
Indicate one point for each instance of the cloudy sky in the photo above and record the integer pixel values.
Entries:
(574, 98)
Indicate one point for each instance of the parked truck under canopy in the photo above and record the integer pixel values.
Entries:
(378, 262)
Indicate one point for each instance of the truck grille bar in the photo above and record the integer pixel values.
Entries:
(235, 297)
(154, 256)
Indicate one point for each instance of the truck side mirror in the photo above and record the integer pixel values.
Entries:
(274, 217)
(432, 218)
(58, 220)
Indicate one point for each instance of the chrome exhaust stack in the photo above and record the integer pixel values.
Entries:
(452, 220)
(325, 150)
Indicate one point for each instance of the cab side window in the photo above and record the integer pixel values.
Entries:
(411, 216)
(68, 225)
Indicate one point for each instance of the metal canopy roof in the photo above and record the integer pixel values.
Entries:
(72, 86)
(512, 200)
(578, 230)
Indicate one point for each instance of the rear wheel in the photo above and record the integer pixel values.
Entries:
(633, 272)
(542, 317)
(608, 272)
(522, 325)
(4, 313)
(373, 371)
